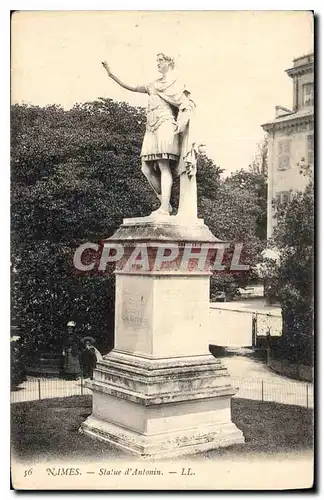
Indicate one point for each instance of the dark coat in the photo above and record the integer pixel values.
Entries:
(71, 362)
(88, 362)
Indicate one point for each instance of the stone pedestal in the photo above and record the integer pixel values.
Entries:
(160, 392)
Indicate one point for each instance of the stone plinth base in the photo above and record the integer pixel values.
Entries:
(169, 228)
(159, 393)
(162, 407)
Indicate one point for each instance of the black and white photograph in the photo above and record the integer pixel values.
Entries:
(162, 250)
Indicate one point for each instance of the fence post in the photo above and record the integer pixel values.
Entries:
(262, 391)
(306, 395)
(39, 389)
(254, 333)
(81, 385)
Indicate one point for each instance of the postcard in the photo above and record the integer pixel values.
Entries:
(162, 250)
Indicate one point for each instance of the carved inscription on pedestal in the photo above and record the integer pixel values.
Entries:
(133, 309)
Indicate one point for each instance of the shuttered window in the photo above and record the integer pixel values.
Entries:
(284, 154)
(283, 197)
(308, 94)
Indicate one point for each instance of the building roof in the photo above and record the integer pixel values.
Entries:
(298, 60)
(303, 64)
(294, 116)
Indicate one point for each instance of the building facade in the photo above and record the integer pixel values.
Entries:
(291, 139)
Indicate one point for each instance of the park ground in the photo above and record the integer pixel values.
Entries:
(48, 430)
(277, 435)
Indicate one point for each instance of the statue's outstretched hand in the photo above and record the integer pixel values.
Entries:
(106, 66)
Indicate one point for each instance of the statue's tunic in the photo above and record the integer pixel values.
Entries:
(160, 140)
(169, 105)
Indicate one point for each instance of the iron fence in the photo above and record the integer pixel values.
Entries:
(43, 388)
(282, 391)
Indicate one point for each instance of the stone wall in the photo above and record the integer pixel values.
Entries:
(232, 327)
(229, 328)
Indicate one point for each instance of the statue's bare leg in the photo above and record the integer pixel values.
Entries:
(153, 177)
(166, 184)
(158, 181)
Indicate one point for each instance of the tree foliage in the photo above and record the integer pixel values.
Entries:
(291, 276)
(74, 175)
(254, 180)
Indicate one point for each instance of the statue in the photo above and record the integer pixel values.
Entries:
(166, 143)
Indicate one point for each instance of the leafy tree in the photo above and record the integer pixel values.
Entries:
(17, 364)
(292, 275)
(74, 175)
(254, 180)
(236, 211)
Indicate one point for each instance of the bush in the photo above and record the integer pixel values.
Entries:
(294, 347)
(291, 276)
(17, 364)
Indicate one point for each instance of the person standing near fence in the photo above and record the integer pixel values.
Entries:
(89, 357)
(72, 368)
(71, 354)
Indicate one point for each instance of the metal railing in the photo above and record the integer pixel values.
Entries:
(43, 388)
(282, 391)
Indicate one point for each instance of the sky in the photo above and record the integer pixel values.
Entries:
(232, 61)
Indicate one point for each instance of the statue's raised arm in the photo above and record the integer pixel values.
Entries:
(136, 88)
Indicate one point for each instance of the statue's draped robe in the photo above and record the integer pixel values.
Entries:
(177, 143)
(179, 97)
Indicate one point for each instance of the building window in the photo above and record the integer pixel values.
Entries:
(283, 197)
(284, 154)
(308, 94)
(310, 149)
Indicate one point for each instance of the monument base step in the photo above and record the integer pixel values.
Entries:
(164, 445)
(162, 407)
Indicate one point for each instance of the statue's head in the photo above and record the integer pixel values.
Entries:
(164, 62)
